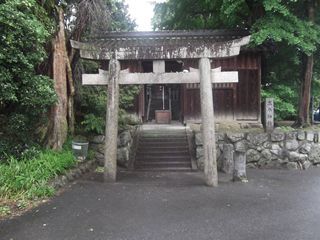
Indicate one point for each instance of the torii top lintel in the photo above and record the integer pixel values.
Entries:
(163, 45)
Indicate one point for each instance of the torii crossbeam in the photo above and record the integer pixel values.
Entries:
(159, 46)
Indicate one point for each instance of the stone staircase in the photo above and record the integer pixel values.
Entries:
(163, 148)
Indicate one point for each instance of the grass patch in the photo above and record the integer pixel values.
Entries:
(28, 179)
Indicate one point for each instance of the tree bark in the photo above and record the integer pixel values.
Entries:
(58, 123)
(305, 92)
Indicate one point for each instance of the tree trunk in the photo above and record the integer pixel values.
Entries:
(305, 94)
(58, 123)
(71, 93)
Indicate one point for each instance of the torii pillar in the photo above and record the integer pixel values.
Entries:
(208, 125)
(110, 152)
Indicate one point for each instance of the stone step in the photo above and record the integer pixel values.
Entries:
(163, 169)
(162, 141)
(154, 165)
(163, 135)
(169, 159)
(162, 153)
(162, 144)
(164, 148)
(164, 138)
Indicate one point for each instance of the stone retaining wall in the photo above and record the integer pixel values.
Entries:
(290, 150)
(73, 174)
(125, 145)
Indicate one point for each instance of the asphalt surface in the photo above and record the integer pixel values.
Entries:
(275, 204)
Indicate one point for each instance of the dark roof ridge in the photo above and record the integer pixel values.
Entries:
(171, 33)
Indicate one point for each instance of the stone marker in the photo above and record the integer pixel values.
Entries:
(227, 159)
(269, 114)
(239, 173)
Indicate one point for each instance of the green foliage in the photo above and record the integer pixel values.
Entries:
(24, 96)
(120, 18)
(127, 96)
(92, 103)
(29, 178)
(92, 123)
(282, 27)
(268, 20)
(284, 101)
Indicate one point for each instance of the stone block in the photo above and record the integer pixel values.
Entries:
(220, 146)
(99, 139)
(235, 137)
(292, 145)
(123, 156)
(219, 136)
(240, 146)
(297, 157)
(291, 166)
(100, 148)
(124, 139)
(301, 135)
(276, 150)
(267, 154)
(263, 162)
(291, 135)
(257, 138)
(273, 164)
(227, 159)
(305, 148)
(306, 165)
(253, 155)
(239, 173)
(200, 163)
(310, 136)
(199, 152)
(198, 139)
(251, 165)
(314, 155)
(266, 145)
(277, 136)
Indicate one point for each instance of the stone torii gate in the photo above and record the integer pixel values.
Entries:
(160, 46)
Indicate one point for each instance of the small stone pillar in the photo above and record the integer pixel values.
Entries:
(239, 156)
(110, 154)
(227, 159)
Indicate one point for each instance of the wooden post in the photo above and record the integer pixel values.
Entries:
(207, 115)
(110, 154)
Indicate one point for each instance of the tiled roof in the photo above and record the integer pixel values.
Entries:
(112, 40)
(162, 44)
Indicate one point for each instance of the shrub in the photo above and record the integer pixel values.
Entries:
(29, 178)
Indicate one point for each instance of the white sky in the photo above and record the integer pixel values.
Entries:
(142, 12)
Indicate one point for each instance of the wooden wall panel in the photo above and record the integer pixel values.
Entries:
(241, 103)
(192, 106)
(248, 94)
(223, 104)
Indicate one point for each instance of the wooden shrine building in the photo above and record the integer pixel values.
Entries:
(233, 101)
(186, 76)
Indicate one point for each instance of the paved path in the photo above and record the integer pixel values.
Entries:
(279, 205)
